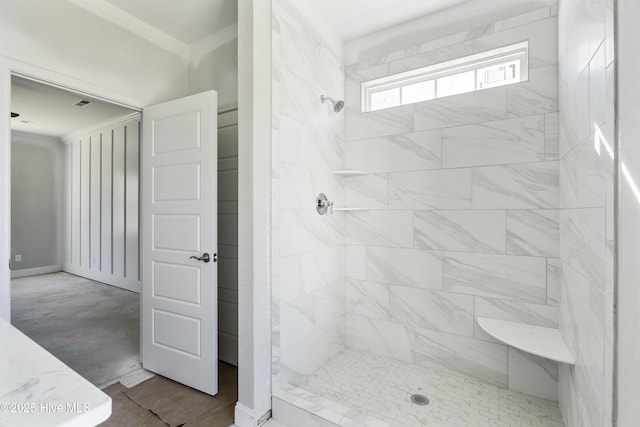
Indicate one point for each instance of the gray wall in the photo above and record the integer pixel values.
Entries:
(37, 179)
(102, 227)
(228, 236)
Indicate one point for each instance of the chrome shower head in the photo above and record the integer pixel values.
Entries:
(337, 105)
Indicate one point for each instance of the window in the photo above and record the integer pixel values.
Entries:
(493, 68)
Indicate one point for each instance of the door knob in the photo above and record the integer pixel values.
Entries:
(204, 258)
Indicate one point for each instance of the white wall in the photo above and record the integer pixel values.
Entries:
(59, 36)
(37, 203)
(628, 214)
(587, 192)
(102, 220)
(214, 65)
(254, 211)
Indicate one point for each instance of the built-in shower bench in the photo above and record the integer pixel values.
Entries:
(537, 340)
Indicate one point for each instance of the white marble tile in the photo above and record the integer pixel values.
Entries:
(457, 49)
(297, 54)
(523, 19)
(455, 400)
(537, 96)
(329, 76)
(305, 231)
(513, 311)
(330, 304)
(594, 169)
(598, 105)
(436, 189)
(404, 152)
(320, 148)
(290, 415)
(582, 242)
(368, 299)
(379, 337)
(290, 283)
(568, 177)
(574, 305)
(551, 136)
(355, 262)
(553, 282)
(289, 140)
(355, 153)
(518, 140)
(533, 375)
(321, 268)
(400, 266)
(275, 203)
(470, 34)
(522, 186)
(369, 191)
(373, 124)
(473, 107)
(533, 232)
(299, 100)
(438, 311)
(296, 187)
(464, 230)
(517, 278)
(356, 77)
(542, 36)
(467, 356)
(311, 352)
(380, 228)
(574, 117)
(297, 321)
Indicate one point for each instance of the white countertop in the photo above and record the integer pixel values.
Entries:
(36, 389)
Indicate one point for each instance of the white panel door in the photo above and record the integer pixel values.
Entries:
(179, 224)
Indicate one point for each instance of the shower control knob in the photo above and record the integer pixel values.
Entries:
(323, 204)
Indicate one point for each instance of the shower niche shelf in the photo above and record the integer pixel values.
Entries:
(349, 173)
(540, 341)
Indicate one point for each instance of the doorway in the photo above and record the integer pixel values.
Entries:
(102, 161)
(74, 210)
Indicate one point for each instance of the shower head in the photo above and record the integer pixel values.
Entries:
(337, 105)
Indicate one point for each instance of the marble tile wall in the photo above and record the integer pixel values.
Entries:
(586, 126)
(307, 249)
(463, 195)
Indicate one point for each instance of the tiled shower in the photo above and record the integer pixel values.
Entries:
(495, 203)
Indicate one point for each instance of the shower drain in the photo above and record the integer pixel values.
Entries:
(419, 399)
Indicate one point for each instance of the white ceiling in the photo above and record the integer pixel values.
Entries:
(186, 20)
(50, 111)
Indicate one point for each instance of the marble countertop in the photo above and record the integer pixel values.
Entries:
(36, 389)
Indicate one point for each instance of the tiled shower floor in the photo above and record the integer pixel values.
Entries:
(358, 388)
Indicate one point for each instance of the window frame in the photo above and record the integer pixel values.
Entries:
(514, 52)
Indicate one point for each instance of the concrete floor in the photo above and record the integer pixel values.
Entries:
(92, 327)
(95, 329)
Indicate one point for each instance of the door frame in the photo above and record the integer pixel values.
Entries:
(9, 68)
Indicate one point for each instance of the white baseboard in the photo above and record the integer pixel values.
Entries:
(35, 271)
